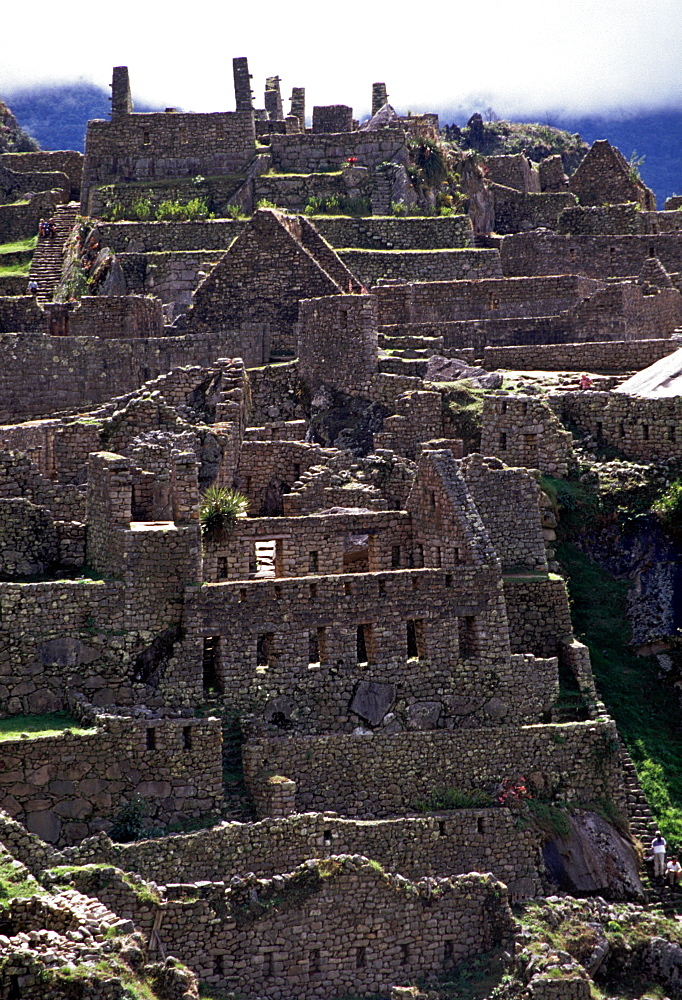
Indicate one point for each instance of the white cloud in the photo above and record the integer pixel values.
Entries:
(531, 55)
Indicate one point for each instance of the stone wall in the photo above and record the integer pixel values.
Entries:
(305, 152)
(68, 786)
(20, 220)
(513, 171)
(389, 233)
(537, 612)
(294, 191)
(142, 147)
(638, 428)
(524, 431)
(33, 544)
(426, 648)
(508, 501)
(269, 468)
(615, 356)
(66, 161)
(492, 298)
(593, 256)
(337, 342)
(421, 265)
(379, 776)
(463, 840)
(14, 184)
(517, 211)
(40, 375)
(621, 220)
(171, 277)
(256, 287)
(117, 317)
(154, 237)
(21, 313)
(24, 473)
(605, 177)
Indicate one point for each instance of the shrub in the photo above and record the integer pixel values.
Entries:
(129, 824)
(454, 798)
(668, 508)
(219, 510)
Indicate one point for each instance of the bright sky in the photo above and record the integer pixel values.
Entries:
(514, 55)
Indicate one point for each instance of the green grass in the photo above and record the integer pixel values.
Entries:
(455, 798)
(16, 881)
(645, 709)
(18, 246)
(15, 270)
(39, 725)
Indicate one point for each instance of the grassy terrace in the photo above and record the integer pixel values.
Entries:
(34, 726)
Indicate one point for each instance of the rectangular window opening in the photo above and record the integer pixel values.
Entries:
(315, 961)
(503, 441)
(365, 644)
(467, 637)
(265, 650)
(448, 579)
(438, 557)
(313, 562)
(361, 957)
(621, 430)
(671, 433)
(218, 965)
(645, 431)
(411, 632)
(211, 665)
(395, 557)
(479, 825)
(268, 965)
(327, 837)
(441, 828)
(151, 738)
(404, 954)
(312, 590)
(186, 737)
(347, 588)
(448, 952)
(382, 588)
(297, 470)
(222, 567)
(145, 138)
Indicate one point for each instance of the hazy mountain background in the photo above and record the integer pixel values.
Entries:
(57, 117)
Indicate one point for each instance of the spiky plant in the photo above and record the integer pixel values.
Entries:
(219, 510)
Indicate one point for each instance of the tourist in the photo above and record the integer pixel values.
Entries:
(672, 871)
(33, 287)
(658, 847)
(585, 381)
(42, 225)
(51, 228)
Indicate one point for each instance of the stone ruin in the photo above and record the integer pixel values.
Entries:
(387, 622)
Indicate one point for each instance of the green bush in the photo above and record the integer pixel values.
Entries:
(130, 822)
(668, 508)
(219, 510)
(454, 798)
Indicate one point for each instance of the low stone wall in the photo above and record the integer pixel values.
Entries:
(421, 265)
(463, 840)
(537, 612)
(74, 372)
(22, 314)
(20, 220)
(544, 252)
(607, 357)
(67, 161)
(379, 776)
(153, 237)
(13, 284)
(304, 152)
(294, 191)
(67, 786)
(388, 233)
(117, 317)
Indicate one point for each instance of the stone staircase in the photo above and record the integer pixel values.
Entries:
(48, 258)
(643, 827)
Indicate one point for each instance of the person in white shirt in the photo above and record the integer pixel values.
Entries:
(672, 871)
(658, 847)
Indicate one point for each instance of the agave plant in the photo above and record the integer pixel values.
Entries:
(219, 510)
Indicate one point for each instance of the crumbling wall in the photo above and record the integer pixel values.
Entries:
(305, 152)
